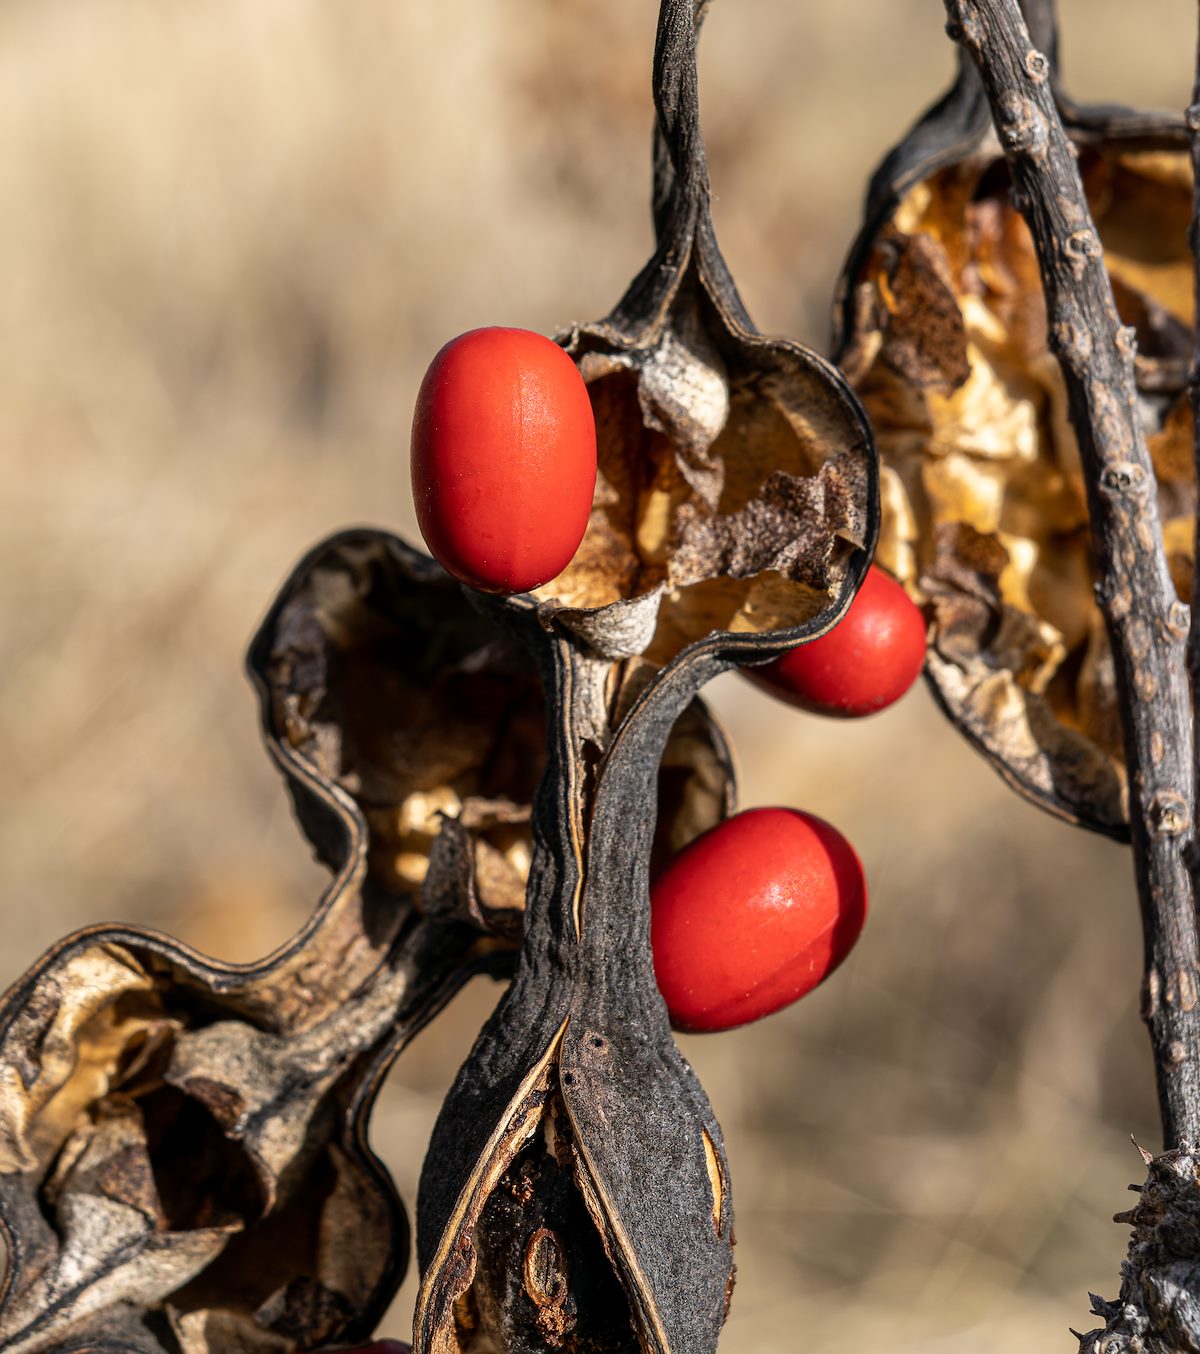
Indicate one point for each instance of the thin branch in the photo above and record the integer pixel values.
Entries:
(1147, 624)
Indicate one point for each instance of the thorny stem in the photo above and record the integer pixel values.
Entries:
(1146, 623)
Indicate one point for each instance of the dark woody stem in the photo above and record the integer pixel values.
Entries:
(1042, 22)
(1146, 623)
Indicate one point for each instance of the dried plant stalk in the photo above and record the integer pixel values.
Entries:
(1146, 623)
(1157, 1311)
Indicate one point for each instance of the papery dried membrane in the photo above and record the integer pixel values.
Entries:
(947, 348)
(174, 1158)
(391, 686)
(714, 470)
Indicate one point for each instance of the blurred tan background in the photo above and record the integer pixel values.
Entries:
(233, 232)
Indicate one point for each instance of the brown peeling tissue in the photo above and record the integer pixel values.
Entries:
(984, 509)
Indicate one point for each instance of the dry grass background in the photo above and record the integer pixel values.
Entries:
(232, 234)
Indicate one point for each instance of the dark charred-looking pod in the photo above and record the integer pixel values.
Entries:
(183, 1154)
(942, 331)
(575, 1195)
(183, 1145)
(397, 691)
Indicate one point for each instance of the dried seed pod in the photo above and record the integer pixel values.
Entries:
(942, 331)
(371, 652)
(736, 486)
(697, 783)
(575, 1195)
(395, 689)
(183, 1152)
(429, 718)
(183, 1155)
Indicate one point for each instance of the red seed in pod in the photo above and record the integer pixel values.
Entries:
(864, 664)
(752, 915)
(503, 459)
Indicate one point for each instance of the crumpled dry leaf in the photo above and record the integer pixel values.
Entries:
(984, 509)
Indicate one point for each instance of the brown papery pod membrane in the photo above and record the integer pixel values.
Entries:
(183, 1145)
(735, 471)
(183, 1153)
(942, 332)
(575, 1195)
(431, 718)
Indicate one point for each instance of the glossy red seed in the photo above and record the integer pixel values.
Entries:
(865, 663)
(752, 915)
(503, 459)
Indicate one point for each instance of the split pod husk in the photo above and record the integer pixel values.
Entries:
(941, 328)
(576, 1193)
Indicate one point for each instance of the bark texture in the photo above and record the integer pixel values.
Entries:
(1146, 624)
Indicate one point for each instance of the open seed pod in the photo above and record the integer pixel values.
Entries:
(420, 710)
(942, 331)
(575, 1195)
(736, 488)
(183, 1153)
(429, 716)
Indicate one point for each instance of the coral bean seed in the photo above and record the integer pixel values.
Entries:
(503, 459)
(752, 915)
(865, 663)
